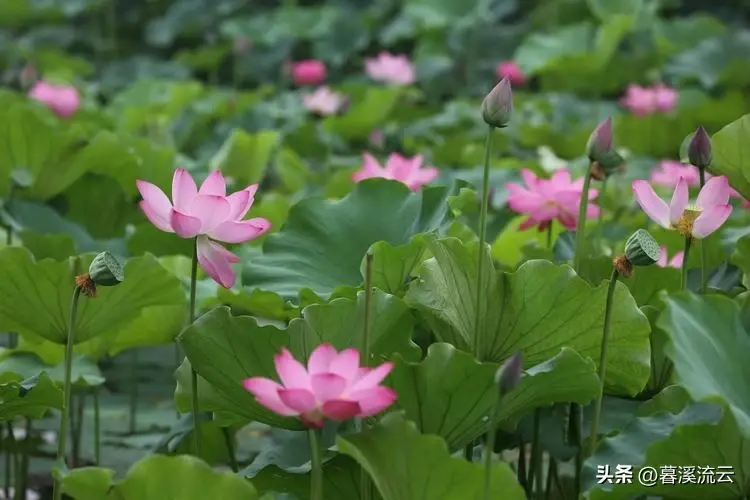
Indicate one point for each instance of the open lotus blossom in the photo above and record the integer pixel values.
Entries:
(333, 386)
(512, 71)
(324, 101)
(643, 101)
(308, 72)
(63, 100)
(400, 168)
(710, 210)
(675, 261)
(206, 213)
(390, 68)
(545, 200)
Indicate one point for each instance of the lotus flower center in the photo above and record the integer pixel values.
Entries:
(685, 225)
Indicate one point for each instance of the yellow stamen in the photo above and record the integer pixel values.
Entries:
(685, 225)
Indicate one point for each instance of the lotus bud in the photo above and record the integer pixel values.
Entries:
(641, 249)
(600, 141)
(699, 150)
(608, 164)
(509, 374)
(497, 107)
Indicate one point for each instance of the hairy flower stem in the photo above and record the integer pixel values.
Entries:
(688, 244)
(193, 373)
(535, 470)
(488, 448)
(576, 412)
(702, 174)
(365, 485)
(316, 462)
(62, 434)
(469, 450)
(603, 361)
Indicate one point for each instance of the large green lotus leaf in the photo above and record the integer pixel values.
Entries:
(405, 465)
(392, 265)
(538, 309)
(209, 400)
(322, 244)
(707, 344)
(29, 397)
(646, 283)
(731, 154)
(35, 296)
(701, 436)
(741, 258)
(509, 245)
(341, 476)
(450, 394)
(366, 114)
(157, 477)
(225, 350)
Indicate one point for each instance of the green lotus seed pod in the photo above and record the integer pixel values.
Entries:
(105, 270)
(641, 249)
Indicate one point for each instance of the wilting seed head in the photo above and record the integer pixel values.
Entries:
(105, 270)
(699, 150)
(497, 107)
(509, 374)
(641, 249)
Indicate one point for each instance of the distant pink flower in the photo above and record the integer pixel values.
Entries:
(377, 138)
(390, 68)
(698, 220)
(408, 171)
(308, 72)
(324, 101)
(665, 98)
(545, 200)
(675, 262)
(669, 172)
(61, 99)
(511, 71)
(642, 101)
(206, 213)
(333, 386)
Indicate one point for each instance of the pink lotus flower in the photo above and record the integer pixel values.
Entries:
(675, 262)
(545, 200)
(390, 68)
(698, 220)
(333, 386)
(642, 101)
(511, 71)
(63, 100)
(324, 101)
(206, 213)
(406, 170)
(308, 72)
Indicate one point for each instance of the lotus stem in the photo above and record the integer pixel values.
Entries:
(193, 373)
(316, 462)
(488, 448)
(97, 429)
(365, 485)
(62, 435)
(535, 470)
(702, 175)
(603, 361)
(581, 223)
(229, 441)
(133, 400)
(688, 244)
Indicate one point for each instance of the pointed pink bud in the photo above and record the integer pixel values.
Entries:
(497, 107)
(699, 150)
(600, 141)
(509, 374)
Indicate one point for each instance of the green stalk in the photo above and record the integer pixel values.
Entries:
(97, 429)
(535, 470)
(600, 219)
(469, 450)
(229, 441)
(549, 235)
(521, 468)
(576, 412)
(62, 434)
(581, 225)
(12, 459)
(193, 373)
(316, 462)
(603, 361)
(365, 485)
(482, 239)
(688, 244)
(488, 447)
(23, 475)
(549, 485)
(702, 174)
(133, 399)
(9, 459)
(76, 428)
